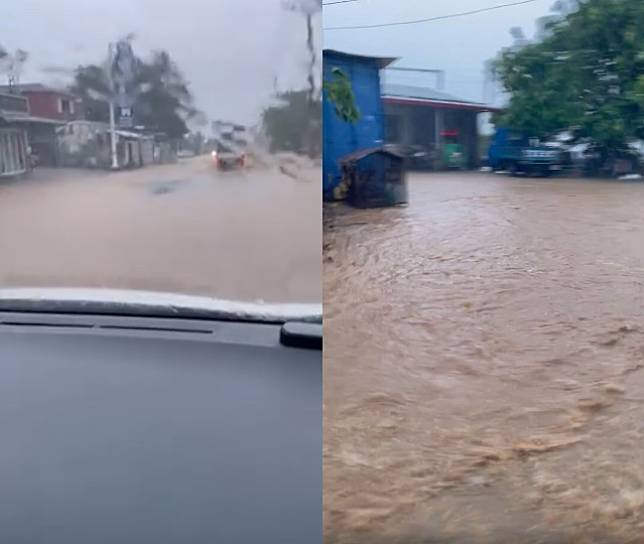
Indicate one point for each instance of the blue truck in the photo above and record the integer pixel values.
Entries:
(517, 153)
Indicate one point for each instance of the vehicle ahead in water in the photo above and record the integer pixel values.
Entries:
(516, 152)
(228, 156)
(187, 419)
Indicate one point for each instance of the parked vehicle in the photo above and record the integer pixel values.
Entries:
(454, 156)
(516, 152)
(185, 154)
(417, 157)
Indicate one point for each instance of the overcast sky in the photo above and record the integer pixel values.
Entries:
(231, 51)
(460, 46)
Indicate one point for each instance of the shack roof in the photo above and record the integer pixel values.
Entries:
(362, 153)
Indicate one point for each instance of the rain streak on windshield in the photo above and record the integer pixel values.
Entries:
(109, 132)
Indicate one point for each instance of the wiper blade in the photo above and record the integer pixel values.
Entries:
(298, 334)
(153, 304)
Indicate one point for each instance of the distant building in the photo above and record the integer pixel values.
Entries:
(49, 102)
(423, 117)
(340, 138)
(87, 144)
(52, 107)
(233, 134)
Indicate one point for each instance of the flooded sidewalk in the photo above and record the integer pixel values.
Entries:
(484, 363)
(185, 228)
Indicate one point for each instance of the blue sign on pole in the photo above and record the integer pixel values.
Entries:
(126, 117)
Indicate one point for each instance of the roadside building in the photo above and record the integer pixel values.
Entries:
(46, 104)
(423, 118)
(341, 138)
(13, 135)
(87, 144)
(49, 102)
(17, 125)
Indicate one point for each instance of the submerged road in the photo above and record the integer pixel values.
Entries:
(484, 364)
(183, 228)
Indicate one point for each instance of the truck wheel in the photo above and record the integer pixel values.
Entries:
(512, 168)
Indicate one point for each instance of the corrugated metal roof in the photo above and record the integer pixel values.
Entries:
(423, 93)
(382, 62)
(362, 153)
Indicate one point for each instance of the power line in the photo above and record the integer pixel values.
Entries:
(338, 2)
(428, 19)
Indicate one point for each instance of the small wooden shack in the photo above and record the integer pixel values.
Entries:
(374, 178)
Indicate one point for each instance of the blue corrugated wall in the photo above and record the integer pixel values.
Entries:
(341, 138)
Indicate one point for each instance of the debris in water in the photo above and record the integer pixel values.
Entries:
(614, 389)
(541, 445)
(592, 405)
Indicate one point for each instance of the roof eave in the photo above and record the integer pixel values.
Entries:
(445, 104)
(382, 62)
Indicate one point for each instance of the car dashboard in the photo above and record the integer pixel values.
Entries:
(158, 430)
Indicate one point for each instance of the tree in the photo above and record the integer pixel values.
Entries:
(582, 75)
(11, 64)
(163, 100)
(339, 92)
(294, 124)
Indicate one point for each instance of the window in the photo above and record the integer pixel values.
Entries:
(65, 105)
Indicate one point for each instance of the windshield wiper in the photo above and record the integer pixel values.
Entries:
(301, 335)
(152, 304)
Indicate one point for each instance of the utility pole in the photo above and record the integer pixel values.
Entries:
(115, 162)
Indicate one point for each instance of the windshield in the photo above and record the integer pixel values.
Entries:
(109, 116)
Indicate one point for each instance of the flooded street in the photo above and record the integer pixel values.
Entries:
(484, 363)
(183, 228)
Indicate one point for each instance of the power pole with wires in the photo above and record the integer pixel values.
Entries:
(308, 8)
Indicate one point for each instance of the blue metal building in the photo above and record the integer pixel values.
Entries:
(342, 138)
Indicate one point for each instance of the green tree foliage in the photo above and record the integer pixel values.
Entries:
(92, 85)
(294, 123)
(339, 92)
(584, 74)
(163, 100)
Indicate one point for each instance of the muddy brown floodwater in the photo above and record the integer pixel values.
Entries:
(484, 364)
(183, 228)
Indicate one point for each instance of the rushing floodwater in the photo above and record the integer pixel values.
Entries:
(484, 352)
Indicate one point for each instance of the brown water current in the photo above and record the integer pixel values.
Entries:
(484, 363)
